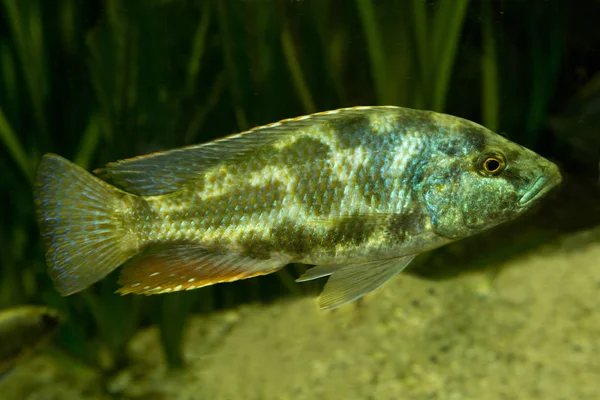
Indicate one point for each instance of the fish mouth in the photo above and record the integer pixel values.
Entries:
(539, 188)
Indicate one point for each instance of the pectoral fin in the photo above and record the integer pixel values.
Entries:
(317, 272)
(353, 281)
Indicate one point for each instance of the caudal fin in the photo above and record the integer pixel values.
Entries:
(80, 217)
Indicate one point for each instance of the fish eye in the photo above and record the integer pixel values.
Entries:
(493, 164)
(48, 320)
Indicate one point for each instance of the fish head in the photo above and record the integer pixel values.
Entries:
(485, 179)
(31, 324)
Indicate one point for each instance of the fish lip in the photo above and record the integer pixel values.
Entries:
(539, 188)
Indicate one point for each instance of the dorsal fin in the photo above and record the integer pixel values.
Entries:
(169, 171)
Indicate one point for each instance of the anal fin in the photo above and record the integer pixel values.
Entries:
(165, 269)
(351, 282)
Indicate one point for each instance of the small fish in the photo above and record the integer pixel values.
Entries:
(357, 192)
(23, 330)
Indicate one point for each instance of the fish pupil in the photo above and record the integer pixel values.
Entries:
(492, 165)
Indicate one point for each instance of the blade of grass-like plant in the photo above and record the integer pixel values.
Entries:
(419, 13)
(67, 17)
(116, 318)
(108, 66)
(207, 299)
(120, 32)
(228, 56)
(489, 71)
(375, 48)
(91, 136)
(12, 290)
(71, 336)
(336, 52)
(9, 139)
(449, 18)
(198, 48)
(113, 48)
(296, 71)
(25, 20)
(333, 41)
(266, 60)
(545, 48)
(95, 307)
(175, 311)
(402, 58)
(9, 87)
(126, 310)
(288, 281)
(99, 83)
(200, 115)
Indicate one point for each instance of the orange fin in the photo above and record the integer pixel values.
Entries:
(173, 268)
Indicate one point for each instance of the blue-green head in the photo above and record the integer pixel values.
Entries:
(477, 179)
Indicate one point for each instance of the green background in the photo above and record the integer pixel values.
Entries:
(97, 81)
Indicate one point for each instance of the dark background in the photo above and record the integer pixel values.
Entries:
(96, 81)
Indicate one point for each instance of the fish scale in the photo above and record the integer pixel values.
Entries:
(358, 192)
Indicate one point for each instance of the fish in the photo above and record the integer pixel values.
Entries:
(355, 192)
(23, 331)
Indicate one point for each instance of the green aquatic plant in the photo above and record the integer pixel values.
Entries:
(425, 47)
(490, 96)
(99, 81)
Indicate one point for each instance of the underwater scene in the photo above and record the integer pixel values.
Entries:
(299, 199)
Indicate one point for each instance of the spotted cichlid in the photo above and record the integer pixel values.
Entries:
(23, 330)
(358, 192)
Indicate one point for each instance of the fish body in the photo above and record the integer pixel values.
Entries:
(357, 192)
(23, 330)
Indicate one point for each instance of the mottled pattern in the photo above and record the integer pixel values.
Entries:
(323, 193)
(344, 187)
(293, 195)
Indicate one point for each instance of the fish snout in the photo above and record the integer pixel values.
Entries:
(540, 187)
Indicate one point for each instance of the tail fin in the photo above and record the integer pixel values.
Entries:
(80, 218)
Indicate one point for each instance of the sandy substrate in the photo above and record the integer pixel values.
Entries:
(532, 331)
